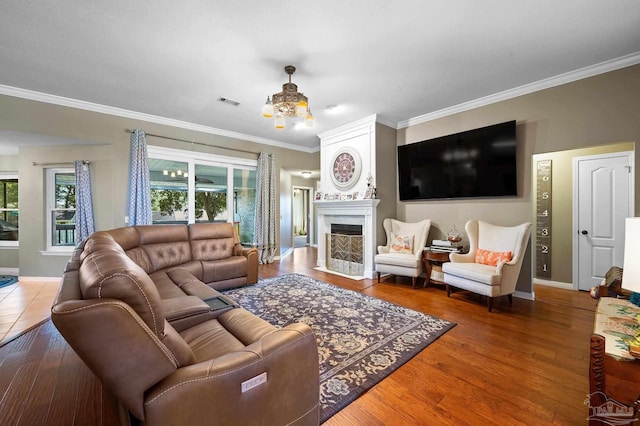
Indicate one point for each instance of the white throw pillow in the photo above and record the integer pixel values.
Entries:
(402, 244)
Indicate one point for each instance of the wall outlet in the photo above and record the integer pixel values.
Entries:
(253, 382)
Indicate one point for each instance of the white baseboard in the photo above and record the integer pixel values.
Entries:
(25, 279)
(525, 295)
(557, 284)
(10, 271)
(284, 255)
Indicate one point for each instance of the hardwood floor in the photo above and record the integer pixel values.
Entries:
(25, 304)
(521, 364)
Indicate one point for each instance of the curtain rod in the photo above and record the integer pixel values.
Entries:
(63, 163)
(194, 143)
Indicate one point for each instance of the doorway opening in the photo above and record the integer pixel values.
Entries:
(302, 223)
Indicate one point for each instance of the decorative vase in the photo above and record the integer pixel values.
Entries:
(454, 235)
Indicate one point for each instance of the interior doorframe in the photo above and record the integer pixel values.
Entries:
(311, 216)
(632, 171)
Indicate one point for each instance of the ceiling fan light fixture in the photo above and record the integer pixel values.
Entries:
(288, 103)
(302, 108)
(308, 120)
(267, 109)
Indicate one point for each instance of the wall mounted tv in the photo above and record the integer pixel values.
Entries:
(475, 163)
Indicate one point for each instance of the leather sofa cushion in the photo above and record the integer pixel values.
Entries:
(140, 256)
(181, 277)
(109, 274)
(100, 241)
(247, 328)
(126, 237)
(178, 347)
(224, 269)
(166, 245)
(191, 285)
(211, 241)
(165, 255)
(230, 332)
(194, 268)
(167, 289)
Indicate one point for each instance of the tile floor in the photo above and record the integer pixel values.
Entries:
(25, 304)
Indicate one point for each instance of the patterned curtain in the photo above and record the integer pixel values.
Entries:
(139, 210)
(84, 203)
(266, 238)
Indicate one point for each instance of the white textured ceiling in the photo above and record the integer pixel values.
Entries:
(400, 59)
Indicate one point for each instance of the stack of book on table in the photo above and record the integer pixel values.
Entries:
(445, 246)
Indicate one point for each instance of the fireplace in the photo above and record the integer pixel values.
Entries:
(347, 236)
(345, 249)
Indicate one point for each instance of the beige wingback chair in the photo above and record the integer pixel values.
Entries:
(404, 256)
(492, 281)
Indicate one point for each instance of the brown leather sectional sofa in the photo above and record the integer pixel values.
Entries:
(140, 307)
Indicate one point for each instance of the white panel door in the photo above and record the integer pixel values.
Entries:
(605, 198)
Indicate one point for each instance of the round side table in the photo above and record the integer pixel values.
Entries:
(428, 258)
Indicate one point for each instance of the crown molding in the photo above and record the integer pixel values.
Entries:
(119, 112)
(582, 73)
(387, 121)
(569, 77)
(366, 121)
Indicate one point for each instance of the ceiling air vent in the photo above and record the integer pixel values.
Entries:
(229, 101)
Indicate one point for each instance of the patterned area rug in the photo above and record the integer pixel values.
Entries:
(361, 339)
(6, 280)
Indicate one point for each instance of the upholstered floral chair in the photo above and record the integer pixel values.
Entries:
(492, 265)
(402, 255)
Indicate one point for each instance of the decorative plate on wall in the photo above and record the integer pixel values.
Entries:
(345, 168)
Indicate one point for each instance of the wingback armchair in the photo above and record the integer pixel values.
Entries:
(492, 265)
(402, 255)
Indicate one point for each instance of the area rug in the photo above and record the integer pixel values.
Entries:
(6, 280)
(361, 339)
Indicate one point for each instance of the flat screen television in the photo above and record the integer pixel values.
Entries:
(475, 163)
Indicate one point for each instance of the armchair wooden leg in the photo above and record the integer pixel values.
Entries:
(448, 290)
(378, 276)
(413, 281)
(510, 296)
(490, 303)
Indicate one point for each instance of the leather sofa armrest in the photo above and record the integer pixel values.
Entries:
(181, 307)
(187, 311)
(252, 264)
(282, 366)
(116, 345)
(190, 284)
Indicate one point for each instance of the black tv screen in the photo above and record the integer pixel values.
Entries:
(475, 163)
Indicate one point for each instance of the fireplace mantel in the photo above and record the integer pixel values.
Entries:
(348, 212)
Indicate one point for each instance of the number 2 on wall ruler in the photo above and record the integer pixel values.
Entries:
(543, 219)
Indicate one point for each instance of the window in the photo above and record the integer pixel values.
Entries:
(61, 209)
(209, 188)
(9, 212)
(169, 191)
(211, 193)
